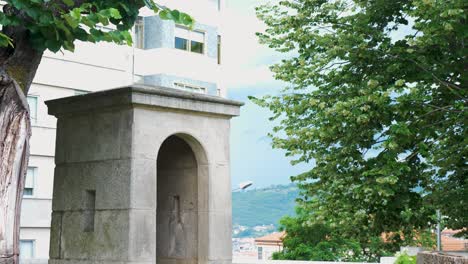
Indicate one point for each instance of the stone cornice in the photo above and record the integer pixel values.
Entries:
(144, 96)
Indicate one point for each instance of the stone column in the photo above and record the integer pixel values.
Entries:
(115, 149)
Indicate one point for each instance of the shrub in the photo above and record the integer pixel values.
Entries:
(405, 259)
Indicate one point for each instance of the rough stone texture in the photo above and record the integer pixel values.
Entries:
(142, 176)
(440, 258)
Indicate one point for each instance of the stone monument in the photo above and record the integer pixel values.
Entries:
(142, 176)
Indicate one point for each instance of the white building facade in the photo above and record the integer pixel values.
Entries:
(164, 54)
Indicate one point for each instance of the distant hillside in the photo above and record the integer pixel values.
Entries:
(263, 206)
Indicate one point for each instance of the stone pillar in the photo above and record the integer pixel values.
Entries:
(142, 176)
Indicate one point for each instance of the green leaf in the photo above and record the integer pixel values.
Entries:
(114, 13)
(69, 3)
(81, 34)
(102, 19)
(150, 4)
(85, 20)
(166, 15)
(175, 15)
(53, 45)
(127, 37)
(76, 13)
(186, 19)
(69, 46)
(33, 12)
(71, 21)
(400, 83)
(5, 40)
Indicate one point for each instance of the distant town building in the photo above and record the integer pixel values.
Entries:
(269, 244)
(243, 249)
(452, 243)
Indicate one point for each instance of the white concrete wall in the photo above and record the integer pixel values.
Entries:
(95, 67)
(268, 250)
(177, 63)
(41, 238)
(92, 67)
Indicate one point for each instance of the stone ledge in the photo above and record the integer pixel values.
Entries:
(146, 96)
(440, 258)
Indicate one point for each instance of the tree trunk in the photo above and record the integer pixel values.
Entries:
(18, 66)
(15, 131)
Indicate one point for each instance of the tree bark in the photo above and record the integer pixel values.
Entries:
(18, 66)
(15, 131)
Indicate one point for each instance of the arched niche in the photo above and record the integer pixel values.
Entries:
(180, 204)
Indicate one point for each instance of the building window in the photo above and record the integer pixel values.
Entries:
(188, 40)
(29, 181)
(218, 92)
(181, 43)
(32, 101)
(260, 252)
(219, 49)
(190, 88)
(27, 249)
(139, 33)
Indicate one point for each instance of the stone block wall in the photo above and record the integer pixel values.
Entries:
(440, 258)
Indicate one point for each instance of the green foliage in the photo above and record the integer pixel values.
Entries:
(263, 206)
(405, 259)
(56, 24)
(308, 240)
(5, 40)
(377, 96)
(425, 239)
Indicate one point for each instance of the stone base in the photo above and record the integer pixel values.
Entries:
(440, 258)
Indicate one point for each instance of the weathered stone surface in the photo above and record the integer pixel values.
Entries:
(55, 235)
(142, 176)
(142, 235)
(440, 258)
(109, 178)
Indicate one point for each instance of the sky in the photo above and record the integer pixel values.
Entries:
(247, 73)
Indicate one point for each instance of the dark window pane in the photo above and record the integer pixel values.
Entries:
(28, 191)
(219, 49)
(197, 47)
(139, 33)
(181, 43)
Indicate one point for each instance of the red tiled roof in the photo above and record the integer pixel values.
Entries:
(449, 243)
(450, 231)
(276, 237)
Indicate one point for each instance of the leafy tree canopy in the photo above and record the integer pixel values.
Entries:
(377, 96)
(56, 24)
(314, 241)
